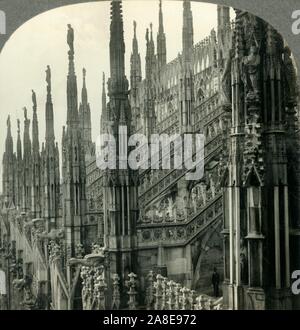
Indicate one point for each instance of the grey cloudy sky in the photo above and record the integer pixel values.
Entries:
(42, 41)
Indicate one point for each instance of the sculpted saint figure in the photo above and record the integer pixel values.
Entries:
(48, 77)
(33, 98)
(226, 79)
(290, 75)
(70, 38)
(8, 121)
(25, 113)
(252, 62)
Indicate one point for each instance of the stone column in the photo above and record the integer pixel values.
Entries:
(277, 238)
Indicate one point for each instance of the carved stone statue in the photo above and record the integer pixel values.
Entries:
(8, 122)
(24, 284)
(70, 38)
(251, 63)
(290, 76)
(48, 78)
(34, 99)
(25, 113)
(226, 79)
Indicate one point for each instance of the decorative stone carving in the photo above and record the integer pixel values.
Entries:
(184, 298)
(24, 284)
(200, 302)
(164, 293)
(253, 152)
(53, 235)
(54, 251)
(290, 78)
(97, 258)
(170, 295)
(132, 293)
(150, 290)
(158, 291)
(87, 276)
(79, 250)
(177, 296)
(116, 292)
(191, 299)
(252, 65)
(99, 290)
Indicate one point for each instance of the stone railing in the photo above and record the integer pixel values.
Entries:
(161, 293)
(154, 185)
(97, 289)
(165, 294)
(181, 233)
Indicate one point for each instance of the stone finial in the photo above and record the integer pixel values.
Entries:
(150, 290)
(201, 302)
(177, 296)
(164, 293)
(184, 298)
(158, 291)
(79, 251)
(132, 293)
(171, 295)
(99, 291)
(116, 292)
(192, 297)
(210, 304)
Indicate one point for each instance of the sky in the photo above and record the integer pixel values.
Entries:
(41, 41)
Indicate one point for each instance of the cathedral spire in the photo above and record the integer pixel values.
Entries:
(9, 140)
(27, 163)
(150, 53)
(35, 127)
(135, 65)
(85, 114)
(19, 183)
(117, 49)
(187, 31)
(35, 164)
(161, 23)
(19, 144)
(8, 173)
(161, 40)
(151, 40)
(103, 111)
(72, 102)
(120, 188)
(26, 136)
(49, 110)
(134, 40)
(84, 96)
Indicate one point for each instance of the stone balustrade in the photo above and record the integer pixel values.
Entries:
(160, 293)
(169, 295)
